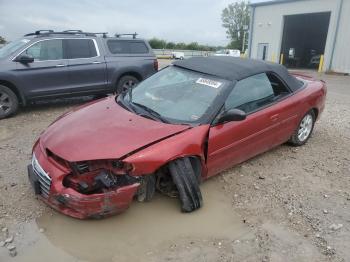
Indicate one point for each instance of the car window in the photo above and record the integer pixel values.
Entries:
(80, 48)
(127, 47)
(12, 47)
(251, 94)
(46, 50)
(178, 94)
(138, 48)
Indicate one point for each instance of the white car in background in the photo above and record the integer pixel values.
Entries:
(178, 55)
(228, 52)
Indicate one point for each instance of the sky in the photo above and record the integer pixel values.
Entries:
(176, 20)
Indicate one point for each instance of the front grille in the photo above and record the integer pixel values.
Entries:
(44, 179)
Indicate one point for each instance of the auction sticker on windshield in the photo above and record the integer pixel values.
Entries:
(208, 82)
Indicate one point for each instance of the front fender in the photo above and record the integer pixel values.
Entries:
(188, 143)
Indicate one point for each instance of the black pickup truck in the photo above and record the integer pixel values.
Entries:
(48, 64)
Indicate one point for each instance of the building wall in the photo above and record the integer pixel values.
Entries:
(341, 57)
(269, 21)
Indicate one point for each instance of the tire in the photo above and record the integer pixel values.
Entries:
(186, 181)
(8, 102)
(126, 82)
(302, 134)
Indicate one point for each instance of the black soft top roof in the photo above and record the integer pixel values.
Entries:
(235, 69)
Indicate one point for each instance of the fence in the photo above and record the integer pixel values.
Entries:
(187, 53)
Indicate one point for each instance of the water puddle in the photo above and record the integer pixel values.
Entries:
(144, 228)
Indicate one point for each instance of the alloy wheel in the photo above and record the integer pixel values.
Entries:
(305, 128)
(5, 103)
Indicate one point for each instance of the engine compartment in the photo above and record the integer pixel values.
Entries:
(92, 177)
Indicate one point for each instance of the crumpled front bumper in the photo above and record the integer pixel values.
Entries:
(72, 203)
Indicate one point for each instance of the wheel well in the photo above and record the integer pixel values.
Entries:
(134, 74)
(13, 89)
(315, 110)
(164, 181)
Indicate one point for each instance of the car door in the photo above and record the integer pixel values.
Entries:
(234, 142)
(48, 74)
(86, 66)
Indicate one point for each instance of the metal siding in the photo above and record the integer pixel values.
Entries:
(269, 22)
(341, 58)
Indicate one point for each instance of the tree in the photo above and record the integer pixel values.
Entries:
(2, 40)
(157, 43)
(180, 46)
(170, 45)
(193, 46)
(235, 18)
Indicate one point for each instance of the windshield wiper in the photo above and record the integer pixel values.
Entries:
(120, 99)
(151, 112)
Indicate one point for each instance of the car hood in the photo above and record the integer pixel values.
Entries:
(103, 130)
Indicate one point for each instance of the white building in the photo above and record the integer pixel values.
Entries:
(302, 30)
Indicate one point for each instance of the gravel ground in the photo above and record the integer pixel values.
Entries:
(295, 201)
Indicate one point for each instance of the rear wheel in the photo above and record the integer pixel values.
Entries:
(8, 102)
(126, 82)
(187, 184)
(304, 130)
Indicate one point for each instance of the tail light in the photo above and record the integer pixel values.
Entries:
(155, 64)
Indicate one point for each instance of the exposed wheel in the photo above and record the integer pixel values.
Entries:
(187, 183)
(304, 130)
(126, 82)
(8, 102)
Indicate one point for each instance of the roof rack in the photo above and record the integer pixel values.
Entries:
(133, 35)
(65, 32)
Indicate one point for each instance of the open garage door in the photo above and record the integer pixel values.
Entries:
(304, 39)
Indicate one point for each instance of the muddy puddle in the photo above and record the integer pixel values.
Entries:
(141, 231)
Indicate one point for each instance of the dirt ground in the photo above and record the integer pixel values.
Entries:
(289, 204)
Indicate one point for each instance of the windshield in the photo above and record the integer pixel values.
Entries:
(12, 47)
(178, 95)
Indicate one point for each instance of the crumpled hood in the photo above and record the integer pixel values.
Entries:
(103, 130)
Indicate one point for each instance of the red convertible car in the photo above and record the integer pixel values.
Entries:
(184, 124)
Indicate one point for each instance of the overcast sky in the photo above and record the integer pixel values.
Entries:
(179, 20)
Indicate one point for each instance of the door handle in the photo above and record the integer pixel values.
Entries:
(274, 118)
(60, 65)
(96, 62)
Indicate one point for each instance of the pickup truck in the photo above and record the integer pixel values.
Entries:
(48, 64)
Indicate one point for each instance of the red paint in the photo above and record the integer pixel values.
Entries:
(103, 131)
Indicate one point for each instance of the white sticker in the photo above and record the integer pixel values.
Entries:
(208, 82)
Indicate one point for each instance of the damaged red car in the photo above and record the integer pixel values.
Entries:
(186, 123)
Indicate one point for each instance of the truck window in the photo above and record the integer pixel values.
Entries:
(46, 50)
(80, 48)
(127, 47)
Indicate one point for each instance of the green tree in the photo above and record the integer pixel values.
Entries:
(193, 46)
(2, 40)
(235, 18)
(180, 46)
(170, 45)
(157, 43)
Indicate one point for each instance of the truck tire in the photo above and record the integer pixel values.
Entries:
(126, 82)
(186, 181)
(302, 134)
(8, 102)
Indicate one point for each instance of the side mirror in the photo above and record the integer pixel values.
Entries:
(24, 59)
(232, 115)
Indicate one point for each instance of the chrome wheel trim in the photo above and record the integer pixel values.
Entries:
(5, 103)
(305, 128)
